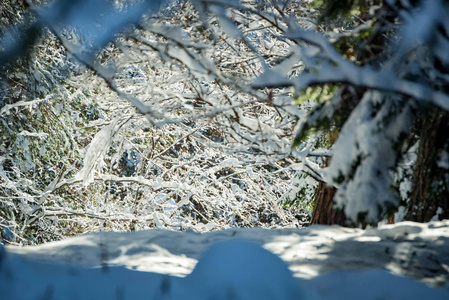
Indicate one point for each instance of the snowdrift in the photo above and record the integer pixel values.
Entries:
(402, 261)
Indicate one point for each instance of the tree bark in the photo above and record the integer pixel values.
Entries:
(430, 189)
(323, 210)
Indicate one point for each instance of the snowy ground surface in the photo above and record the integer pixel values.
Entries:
(400, 261)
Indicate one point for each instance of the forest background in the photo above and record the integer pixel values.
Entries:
(125, 115)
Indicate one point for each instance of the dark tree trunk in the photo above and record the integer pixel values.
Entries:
(430, 189)
(323, 211)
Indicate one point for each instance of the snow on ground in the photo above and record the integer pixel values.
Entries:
(400, 261)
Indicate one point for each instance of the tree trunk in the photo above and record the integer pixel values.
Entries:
(323, 211)
(430, 189)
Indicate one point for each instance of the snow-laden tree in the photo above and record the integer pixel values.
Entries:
(396, 74)
(394, 84)
(401, 81)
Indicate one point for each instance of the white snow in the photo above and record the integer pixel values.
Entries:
(439, 212)
(95, 152)
(402, 261)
